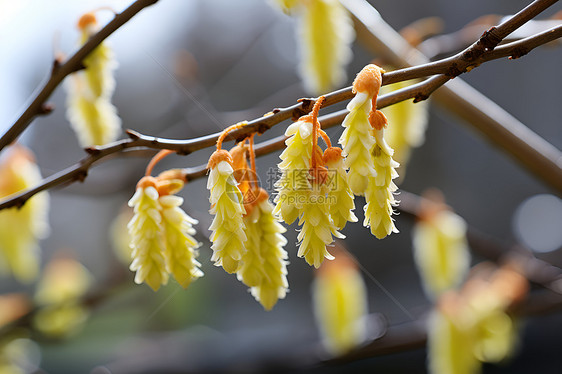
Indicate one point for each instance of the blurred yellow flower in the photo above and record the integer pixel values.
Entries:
(440, 249)
(20, 229)
(340, 304)
(472, 325)
(89, 109)
(325, 34)
(63, 282)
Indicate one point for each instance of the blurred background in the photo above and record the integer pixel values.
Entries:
(189, 68)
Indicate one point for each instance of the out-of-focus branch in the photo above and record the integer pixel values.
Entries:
(446, 44)
(413, 335)
(538, 156)
(61, 70)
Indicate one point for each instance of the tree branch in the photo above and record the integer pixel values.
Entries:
(534, 152)
(73, 64)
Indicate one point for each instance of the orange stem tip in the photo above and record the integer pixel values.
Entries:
(332, 155)
(147, 181)
(218, 156)
(369, 80)
(86, 20)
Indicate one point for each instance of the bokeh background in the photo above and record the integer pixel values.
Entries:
(188, 68)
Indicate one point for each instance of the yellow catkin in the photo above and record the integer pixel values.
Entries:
(340, 197)
(20, 229)
(180, 245)
(89, 109)
(340, 304)
(293, 184)
(227, 206)
(250, 272)
(358, 142)
(368, 156)
(273, 258)
(441, 251)
(325, 34)
(318, 229)
(146, 239)
(379, 195)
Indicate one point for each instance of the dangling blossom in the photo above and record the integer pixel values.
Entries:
(21, 228)
(145, 229)
(357, 140)
(251, 268)
(161, 232)
(440, 248)
(177, 229)
(293, 184)
(271, 259)
(379, 195)
(228, 207)
(318, 229)
(340, 304)
(340, 196)
(263, 266)
(89, 109)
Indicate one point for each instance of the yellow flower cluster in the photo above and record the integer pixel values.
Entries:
(358, 143)
(379, 196)
(161, 234)
(227, 205)
(293, 184)
(324, 34)
(264, 265)
(63, 282)
(472, 326)
(367, 155)
(312, 192)
(317, 230)
(89, 109)
(340, 195)
(440, 249)
(340, 304)
(21, 228)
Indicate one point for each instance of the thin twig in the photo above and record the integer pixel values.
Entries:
(60, 71)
